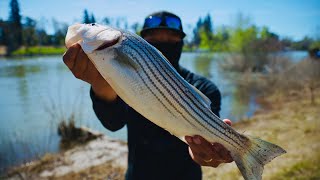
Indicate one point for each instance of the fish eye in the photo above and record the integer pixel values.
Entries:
(93, 24)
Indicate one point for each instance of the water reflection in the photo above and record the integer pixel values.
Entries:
(23, 90)
(19, 71)
(237, 101)
(243, 92)
(202, 64)
(243, 99)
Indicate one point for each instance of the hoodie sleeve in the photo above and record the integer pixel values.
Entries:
(209, 89)
(113, 115)
(214, 95)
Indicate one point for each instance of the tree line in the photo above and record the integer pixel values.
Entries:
(243, 37)
(19, 31)
(22, 31)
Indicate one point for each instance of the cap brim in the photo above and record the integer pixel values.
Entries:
(144, 31)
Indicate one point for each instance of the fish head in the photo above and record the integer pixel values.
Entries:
(92, 37)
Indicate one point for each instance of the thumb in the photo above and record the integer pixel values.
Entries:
(228, 121)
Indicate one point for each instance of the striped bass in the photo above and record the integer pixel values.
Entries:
(146, 81)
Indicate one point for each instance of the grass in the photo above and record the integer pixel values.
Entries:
(293, 123)
(303, 170)
(31, 169)
(39, 50)
(104, 171)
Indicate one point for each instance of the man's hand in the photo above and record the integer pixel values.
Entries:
(82, 68)
(208, 154)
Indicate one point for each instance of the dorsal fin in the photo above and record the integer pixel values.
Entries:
(204, 97)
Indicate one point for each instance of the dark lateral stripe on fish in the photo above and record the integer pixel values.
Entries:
(201, 107)
(176, 84)
(150, 89)
(204, 113)
(152, 73)
(209, 116)
(158, 80)
(153, 83)
(191, 108)
(156, 77)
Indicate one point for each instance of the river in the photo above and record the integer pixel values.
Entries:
(38, 92)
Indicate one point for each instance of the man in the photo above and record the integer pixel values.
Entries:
(153, 152)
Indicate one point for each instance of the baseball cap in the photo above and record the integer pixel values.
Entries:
(163, 20)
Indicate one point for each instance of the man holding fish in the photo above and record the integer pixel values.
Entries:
(153, 152)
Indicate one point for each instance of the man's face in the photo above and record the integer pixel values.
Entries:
(168, 42)
(162, 35)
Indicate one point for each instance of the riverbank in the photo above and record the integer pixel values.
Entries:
(289, 121)
(102, 158)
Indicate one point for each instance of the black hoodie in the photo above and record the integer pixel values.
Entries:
(153, 152)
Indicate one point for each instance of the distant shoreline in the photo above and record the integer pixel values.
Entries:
(36, 51)
(59, 50)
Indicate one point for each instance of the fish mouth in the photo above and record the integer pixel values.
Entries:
(107, 44)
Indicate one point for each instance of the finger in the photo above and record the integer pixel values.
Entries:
(201, 161)
(91, 74)
(216, 151)
(223, 154)
(80, 64)
(199, 153)
(202, 149)
(70, 55)
(201, 141)
(188, 139)
(196, 158)
(228, 121)
(204, 153)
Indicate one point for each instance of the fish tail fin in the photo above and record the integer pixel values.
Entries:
(251, 161)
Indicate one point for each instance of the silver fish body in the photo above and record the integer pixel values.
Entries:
(147, 82)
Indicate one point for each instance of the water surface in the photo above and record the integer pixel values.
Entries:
(38, 92)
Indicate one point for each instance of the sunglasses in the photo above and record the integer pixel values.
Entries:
(168, 21)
